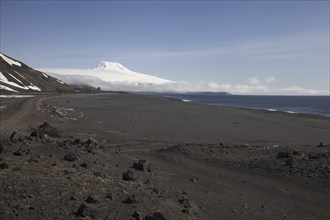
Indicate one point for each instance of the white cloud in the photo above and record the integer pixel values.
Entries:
(270, 79)
(254, 81)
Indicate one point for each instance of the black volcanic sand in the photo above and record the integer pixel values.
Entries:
(124, 156)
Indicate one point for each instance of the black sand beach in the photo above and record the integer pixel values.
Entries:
(201, 161)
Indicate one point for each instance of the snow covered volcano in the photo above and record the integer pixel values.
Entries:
(108, 76)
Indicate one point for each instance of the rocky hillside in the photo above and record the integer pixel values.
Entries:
(17, 77)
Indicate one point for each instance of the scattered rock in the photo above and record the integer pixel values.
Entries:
(155, 216)
(136, 215)
(3, 165)
(92, 141)
(296, 153)
(130, 200)
(321, 145)
(84, 165)
(185, 210)
(128, 176)
(142, 165)
(109, 196)
(2, 149)
(290, 162)
(184, 201)
(34, 134)
(70, 157)
(96, 173)
(49, 130)
(283, 154)
(87, 210)
(16, 137)
(18, 152)
(91, 199)
(76, 141)
(313, 156)
(73, 198)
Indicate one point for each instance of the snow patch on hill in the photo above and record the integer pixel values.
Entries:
(4, 79)
(10, 61)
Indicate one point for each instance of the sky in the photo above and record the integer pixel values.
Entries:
(244, 47)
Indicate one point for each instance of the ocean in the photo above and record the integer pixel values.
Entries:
(314, 105)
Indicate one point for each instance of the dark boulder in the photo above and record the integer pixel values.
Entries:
(34, 134)
(130, 200)
(3, 165)
(70, 157)
(92, 142)
(321, 145)
(98, 174)
(155, 216)
(128, 176)
(2, 148)
(290, 162)
(283, 154)
(47, 129)
(137, 215)
(76, 141)
(18, 152)
(313, 156)
(87, 210)
(142, 165)
(16, 137)
(84, 165)
(184, 201)
(91, 199)
(109, 196)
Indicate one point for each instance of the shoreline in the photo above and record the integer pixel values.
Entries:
(252, 108)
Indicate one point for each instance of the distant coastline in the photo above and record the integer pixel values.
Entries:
(311, 105)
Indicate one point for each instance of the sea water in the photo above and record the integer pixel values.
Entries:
(315, 105)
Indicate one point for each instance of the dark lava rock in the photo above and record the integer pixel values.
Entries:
(76, 141)
(91, 199)
(142, 165)
(34, 134)
(130, 200)
(16, 137)
(136, 215)
(84, 165)
(283, 154)
(2, 149)
(49, 130)
(70, 157)
(92, 141)
(290, 162)
(155, 216)
(87, 210)
(96, 173)
(3, 165)
(109, 196)
(128, 176)
(18, 152)
(313, 156)
(184, 201)
(321, 145)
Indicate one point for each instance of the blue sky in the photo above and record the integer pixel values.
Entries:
(270, 44)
